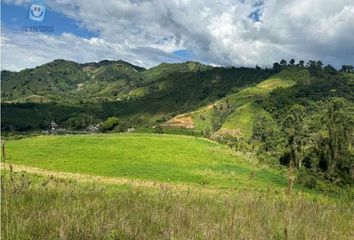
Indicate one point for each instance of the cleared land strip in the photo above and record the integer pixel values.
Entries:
(100, 179)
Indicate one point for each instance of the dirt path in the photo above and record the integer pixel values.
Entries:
(98, 179)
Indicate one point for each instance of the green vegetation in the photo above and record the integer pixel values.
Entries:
(237, 110)
(241, 119)
(301, 116)
(109, 124)
(168, 158)
(53, 208)
(226, 180)
(66, 81)
(316, 119)
(224, 104)
(137, 96)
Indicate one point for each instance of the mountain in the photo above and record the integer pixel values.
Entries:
(66, 81)
(64, 90)
(292, 114)
(203, 99)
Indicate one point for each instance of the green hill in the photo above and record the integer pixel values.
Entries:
(63, 81)
(236, 112)
(66, 91)
(184, 96)
(66, 81)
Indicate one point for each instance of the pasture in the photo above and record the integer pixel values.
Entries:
(161, 158)
(148, 186)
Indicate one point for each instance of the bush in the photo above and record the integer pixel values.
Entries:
(109, 124)
(158, 130)
(307, 179)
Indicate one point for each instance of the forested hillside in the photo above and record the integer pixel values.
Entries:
(76, 96)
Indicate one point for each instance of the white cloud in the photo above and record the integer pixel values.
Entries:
(217, 32)
(26, 50)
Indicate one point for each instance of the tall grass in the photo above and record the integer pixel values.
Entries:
(52, 208)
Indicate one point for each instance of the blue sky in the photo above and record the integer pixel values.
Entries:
(148, 32)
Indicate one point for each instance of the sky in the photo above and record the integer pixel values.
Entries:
(148, 32)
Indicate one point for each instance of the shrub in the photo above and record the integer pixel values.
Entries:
(158, 130)
(307, 179)
(109, 124)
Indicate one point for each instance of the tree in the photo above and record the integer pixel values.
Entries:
(80, 121)
(340, 126)
(347, 68)
(319, 64)
(264, 132)
(283, 63)
(329, 69)
(276, 67)
(314, 67)
(109, 124)
(298, 135)
(301, 63)
(292, 62)
(216, 118)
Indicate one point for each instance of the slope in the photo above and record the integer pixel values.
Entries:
(78, 95)
(235, 113)
(167, 158)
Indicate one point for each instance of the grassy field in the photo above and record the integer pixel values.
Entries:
(147, 186)
(36, 207)
(166, 158)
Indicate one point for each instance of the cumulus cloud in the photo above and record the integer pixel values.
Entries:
(31, 49)
(228, 32)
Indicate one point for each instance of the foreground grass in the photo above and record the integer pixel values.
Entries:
(167, 158)
(52, 208)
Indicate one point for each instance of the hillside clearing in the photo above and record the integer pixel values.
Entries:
(239, 108)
